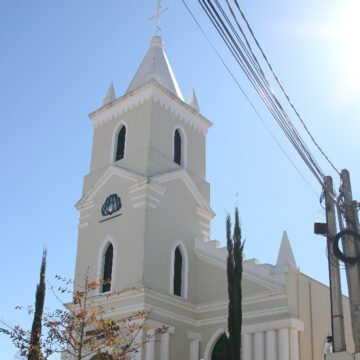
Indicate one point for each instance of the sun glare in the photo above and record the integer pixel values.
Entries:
(348, 32)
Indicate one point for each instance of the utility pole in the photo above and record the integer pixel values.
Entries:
(350, 245)
(337, 315)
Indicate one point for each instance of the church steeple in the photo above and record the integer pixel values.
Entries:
(148, 164)
(156, 66)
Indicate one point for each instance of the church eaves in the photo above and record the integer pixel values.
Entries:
(156, 66)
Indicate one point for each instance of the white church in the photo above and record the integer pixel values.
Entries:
(145, 222)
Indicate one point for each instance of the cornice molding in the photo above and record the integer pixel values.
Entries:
(290, 323)
(86, 200)
(151, 90)
(207, 252)
(146, 193)
(185, 177)
(144, 185)
(138, 296)
(208, 215)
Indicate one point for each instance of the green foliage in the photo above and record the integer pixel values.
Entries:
(234, 275)
(34, 351)
(83, 328)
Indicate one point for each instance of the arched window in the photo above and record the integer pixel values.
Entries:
(107, 268)
(220, 349)
(177, 147)
(120, 147)
(178, 270)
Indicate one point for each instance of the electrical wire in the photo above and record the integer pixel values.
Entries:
(256, 77)
(247, 98)
(281, 86)
(263, 77)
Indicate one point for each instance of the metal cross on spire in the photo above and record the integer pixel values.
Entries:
(157, 17)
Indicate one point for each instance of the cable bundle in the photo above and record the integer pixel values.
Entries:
(239, 46)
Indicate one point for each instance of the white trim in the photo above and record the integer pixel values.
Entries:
(206, 226)
(151, 90)
(180, 303)
(185, 177)
(183, 137)
(86, 200)
(83, 225)
(103, 247)
(142, 197)
(145, 196)
(184, 270)
(246, 315)
(265, 312)
(208, 215)
(290, 323)
(189, 319)
(147, 184)
(157, 325)
(193, 336)
(258, 298)
(207, 252)
(219, 262)
(114, 141)
(267, 283)
(145, 203)
(124, 310)
(211, 343)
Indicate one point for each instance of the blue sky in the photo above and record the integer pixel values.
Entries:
(57, 60)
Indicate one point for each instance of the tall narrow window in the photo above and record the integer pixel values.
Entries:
(178, 264)
(107, 269)
(177, 147)
(120, 148)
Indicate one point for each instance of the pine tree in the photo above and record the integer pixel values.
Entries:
(234, 275)
(35, 350)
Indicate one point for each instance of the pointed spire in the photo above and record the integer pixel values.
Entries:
(156, 67)
(286, 256)
(110, 95)
(193, 101)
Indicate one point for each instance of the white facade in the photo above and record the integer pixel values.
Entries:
(165, 206)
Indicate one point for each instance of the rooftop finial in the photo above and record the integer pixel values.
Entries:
(157, 17)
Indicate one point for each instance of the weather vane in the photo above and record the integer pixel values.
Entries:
(157, 17)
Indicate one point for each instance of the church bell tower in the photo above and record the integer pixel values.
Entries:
(145, 199)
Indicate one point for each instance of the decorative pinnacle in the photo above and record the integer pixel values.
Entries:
(157, 17)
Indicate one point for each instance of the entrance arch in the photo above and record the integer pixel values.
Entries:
(216, 345)
(219, 351)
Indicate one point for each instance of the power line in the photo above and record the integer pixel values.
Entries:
(281, 86)
(257, 78)
(247, 98)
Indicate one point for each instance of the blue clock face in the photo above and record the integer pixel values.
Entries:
(111, 205)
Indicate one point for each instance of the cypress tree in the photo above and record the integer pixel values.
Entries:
(35, 350)
(234, 276)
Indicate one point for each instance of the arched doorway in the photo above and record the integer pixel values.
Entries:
(220, 349)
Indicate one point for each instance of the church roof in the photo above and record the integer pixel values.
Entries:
(156, 66)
